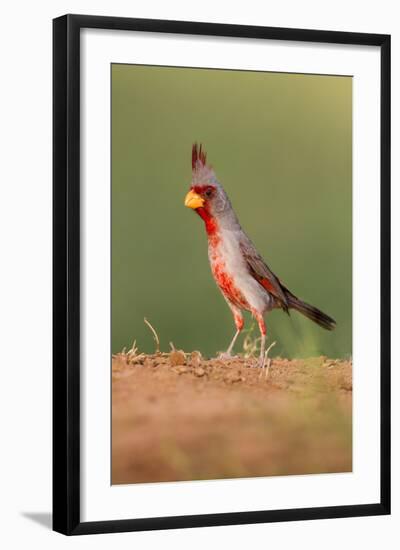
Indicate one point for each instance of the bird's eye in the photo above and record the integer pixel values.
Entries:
(208, 192)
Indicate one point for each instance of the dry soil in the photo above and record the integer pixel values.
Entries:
(178, 416)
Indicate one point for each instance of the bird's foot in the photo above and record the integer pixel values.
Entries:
(264, 362)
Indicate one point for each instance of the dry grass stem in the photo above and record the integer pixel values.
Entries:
(133, 349)
(155, 335)
(132, 354)
(251, 344)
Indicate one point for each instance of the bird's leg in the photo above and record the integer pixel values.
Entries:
(239, 322)
(263, 332)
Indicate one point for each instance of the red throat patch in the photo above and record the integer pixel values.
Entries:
(210, 222)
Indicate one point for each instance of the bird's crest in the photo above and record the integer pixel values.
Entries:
(199, 157)
(202, 173)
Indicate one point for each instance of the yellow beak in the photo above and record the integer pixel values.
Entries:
(193, 200)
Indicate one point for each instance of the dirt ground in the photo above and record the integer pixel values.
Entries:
(178, 416)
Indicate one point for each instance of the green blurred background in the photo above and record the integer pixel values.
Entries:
(281, 145)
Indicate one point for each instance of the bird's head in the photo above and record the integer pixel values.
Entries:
(206, 195)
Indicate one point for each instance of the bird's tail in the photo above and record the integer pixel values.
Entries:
(311, 312)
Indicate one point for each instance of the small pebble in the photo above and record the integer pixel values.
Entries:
(199, 371)
(346, 385)
(233, 377)
(180, 370)
(195, 358)
(177, 357)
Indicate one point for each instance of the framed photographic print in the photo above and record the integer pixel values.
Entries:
(221, 274)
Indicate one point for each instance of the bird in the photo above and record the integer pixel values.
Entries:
(244, 278)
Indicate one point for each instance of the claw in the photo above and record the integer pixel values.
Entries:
(265, 362)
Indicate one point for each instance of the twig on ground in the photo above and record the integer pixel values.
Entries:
(132, 354)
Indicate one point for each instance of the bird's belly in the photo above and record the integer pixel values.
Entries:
(228, 286)
(234, 280)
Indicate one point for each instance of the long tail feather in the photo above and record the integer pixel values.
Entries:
(312, 313)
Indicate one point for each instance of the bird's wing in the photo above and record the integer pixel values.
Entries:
(261, 272)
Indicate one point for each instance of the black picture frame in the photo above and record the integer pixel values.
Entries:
(66, 273)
